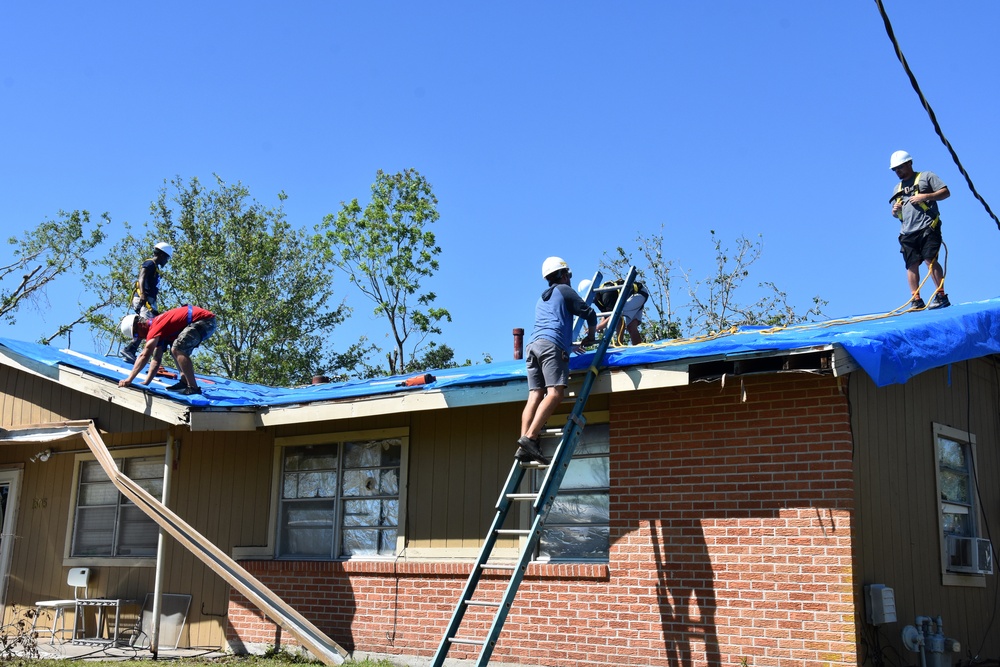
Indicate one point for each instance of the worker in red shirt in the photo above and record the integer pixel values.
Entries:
(182, 329)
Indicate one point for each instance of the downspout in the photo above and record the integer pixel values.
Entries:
(168, 458)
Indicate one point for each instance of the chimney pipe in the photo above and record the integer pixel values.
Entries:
(518, 343)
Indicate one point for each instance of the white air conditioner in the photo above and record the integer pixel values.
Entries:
(970, 555)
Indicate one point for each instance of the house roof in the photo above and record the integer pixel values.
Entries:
(888, 348)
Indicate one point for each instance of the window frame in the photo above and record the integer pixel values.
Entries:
(535, 478)
(968, 441)
(118, 455)
(271, 550)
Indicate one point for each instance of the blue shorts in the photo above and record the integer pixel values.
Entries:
(194, 335)
(547, 365)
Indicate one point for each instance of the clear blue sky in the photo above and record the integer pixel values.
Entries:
(552, 128)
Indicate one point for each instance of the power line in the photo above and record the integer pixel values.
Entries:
(930, 112)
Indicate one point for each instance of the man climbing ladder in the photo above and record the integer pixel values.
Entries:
(547, 354)
(541, 504)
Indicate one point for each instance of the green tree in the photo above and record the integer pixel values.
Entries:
(659, 321)
(387, 250)
(109, 280)
(43, 254)
(717, 303)
(266, 281)
(714, 304)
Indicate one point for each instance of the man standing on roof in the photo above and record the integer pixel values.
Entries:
(146, 290)
(547, 354)
(183, 329)
(914, 202)
(631, 311)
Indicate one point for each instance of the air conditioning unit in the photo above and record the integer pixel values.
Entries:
(970, 555)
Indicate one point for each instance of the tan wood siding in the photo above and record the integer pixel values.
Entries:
(897, 527)
(28, 399)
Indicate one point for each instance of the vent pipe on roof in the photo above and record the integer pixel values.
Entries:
(320, 379)
(518, 343)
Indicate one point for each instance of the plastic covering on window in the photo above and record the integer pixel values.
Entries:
(574, 543)
(369, 542)
(368, 480)
(307, 528)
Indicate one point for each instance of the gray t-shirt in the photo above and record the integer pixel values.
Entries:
(913, 216)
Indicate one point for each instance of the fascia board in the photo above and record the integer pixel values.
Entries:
(71, 378)
(629, 379)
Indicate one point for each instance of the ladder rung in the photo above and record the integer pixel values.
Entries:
(532, 464)
(466, 640)
(513, 531)
(521, 496)
(481, 603)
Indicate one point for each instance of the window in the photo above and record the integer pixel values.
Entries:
(106, 523)
(340, 499)
(577, 525)
(963, 553)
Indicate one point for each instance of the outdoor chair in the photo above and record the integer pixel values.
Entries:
(78, 578)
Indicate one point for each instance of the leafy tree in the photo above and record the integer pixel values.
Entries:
(265, 280)
(719, 309)
(715, 302)
(45, 253)
(386, 250)
(110, 280)
(660, 321)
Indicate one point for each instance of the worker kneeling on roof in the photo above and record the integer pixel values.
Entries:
(183, 329)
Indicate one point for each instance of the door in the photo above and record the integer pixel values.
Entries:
(10, 482)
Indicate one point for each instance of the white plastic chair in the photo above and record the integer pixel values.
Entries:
(78, 578)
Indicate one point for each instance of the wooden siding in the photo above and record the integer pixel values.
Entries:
(897, 534)
(27, 399)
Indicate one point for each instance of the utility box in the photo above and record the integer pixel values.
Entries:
(881, 603)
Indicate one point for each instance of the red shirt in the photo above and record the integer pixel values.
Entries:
(168, 325)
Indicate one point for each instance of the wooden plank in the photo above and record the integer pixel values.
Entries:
(308, 635)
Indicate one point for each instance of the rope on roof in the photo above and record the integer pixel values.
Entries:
(930, 112)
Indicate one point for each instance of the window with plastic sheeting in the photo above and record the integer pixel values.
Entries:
(340, 499)
(106, 524)
(577, 527)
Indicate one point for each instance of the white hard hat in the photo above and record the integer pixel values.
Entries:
(898, 158)
(128, 323)
(553, 264)
(165, 248)
(583, 286)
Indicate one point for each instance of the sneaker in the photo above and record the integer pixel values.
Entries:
(917, 304)
(179, 386)
(532, 452)
(940, 300)
(128, 355)
(189, 391)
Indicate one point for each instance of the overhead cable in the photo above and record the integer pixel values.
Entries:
(930, 112)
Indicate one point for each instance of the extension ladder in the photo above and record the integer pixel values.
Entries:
(541, 501)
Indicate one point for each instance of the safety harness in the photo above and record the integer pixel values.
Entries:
(898, 194)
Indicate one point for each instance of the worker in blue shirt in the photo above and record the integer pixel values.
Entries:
(547, 353)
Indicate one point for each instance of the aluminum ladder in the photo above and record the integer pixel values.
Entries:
(541, 502)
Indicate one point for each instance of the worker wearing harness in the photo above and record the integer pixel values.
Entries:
(146, 290)
(631, 312)
(182, 329)
(914, 202)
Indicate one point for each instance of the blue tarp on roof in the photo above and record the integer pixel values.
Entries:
(890, 349)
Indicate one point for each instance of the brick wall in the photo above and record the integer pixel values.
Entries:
(731, 540)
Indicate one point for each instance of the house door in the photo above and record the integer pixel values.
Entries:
(10, 481)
